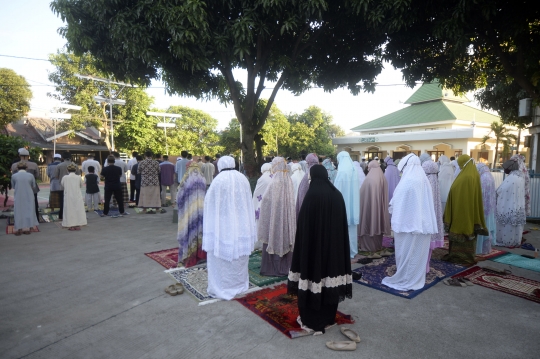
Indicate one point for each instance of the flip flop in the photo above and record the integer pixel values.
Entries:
(465, 281)
(453, 282)
(341, 346)
(351, 334)
(496, 270)
(71, 229)
(174, 289)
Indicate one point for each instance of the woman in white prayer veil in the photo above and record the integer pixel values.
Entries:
(360, 171)
(456, 168)
(296, 177)
(413, 222)
(262, 185)
(446, 178)
(228, 231)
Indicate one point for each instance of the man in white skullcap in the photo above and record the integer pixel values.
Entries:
(31, 167)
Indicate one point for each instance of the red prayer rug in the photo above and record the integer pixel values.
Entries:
(167, 257)
(280, 310)
(507, 283)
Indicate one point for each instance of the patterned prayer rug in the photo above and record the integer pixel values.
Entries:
(519, 261)
(438, 253)
(507, 283)
(168, 258)
(374, 272)
(10, 229)
(194, 280)
(280, 310)
(255, 276)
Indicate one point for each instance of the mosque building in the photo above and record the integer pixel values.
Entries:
(436, 122)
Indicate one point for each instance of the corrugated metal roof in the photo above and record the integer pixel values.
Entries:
(416, 114)
(434, 91)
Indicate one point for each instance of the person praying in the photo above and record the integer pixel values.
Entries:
(277, 222)
(374, 216)
(347, 183)
(413, 221)
(229, 232)
(464, 214)
(320, 272)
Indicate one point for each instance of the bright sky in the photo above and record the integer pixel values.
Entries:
(29, 29)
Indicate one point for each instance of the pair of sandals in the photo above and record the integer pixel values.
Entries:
(76, 228)
(20, 231)
(458, 282)
(347, 345)
(174, 289)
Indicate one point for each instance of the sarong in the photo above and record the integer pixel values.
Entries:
(125, 195)
(462, 252)
(273, 265)
(150, 197)
(54, 199)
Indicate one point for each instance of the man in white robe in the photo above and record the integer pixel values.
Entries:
(229, 232)
(413, 222)
(74, 214)
(23, 183)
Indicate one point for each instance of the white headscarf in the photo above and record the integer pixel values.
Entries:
(456, 168)
(412, 204)
(229, 225)
(262, 185)
(296, 177)
(446, 177)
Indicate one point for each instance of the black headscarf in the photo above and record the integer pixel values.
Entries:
(321, 248)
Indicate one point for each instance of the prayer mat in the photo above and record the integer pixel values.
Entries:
(167, 257)
(10, 229)
(374, 272)
(254, 268)
(195, 281)
(280, 310)
(438, 253)
(519, 261)
(507, 283)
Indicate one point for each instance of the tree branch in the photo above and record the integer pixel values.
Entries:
(235, 94)
(270, 102)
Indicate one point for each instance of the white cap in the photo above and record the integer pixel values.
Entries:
(23, 152)
(57, 155)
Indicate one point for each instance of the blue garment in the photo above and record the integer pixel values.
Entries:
(330, 169)
(180, 168)
(348, 184)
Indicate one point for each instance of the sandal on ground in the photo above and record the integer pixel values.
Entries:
(453, 282)
(351, 334)
(356, 276)
(77, 228)
(497, 270)
(374, 256)
(71, 229)
(174, 289)
(341, 346)
(18, 232)
(364, 261)
(465, 281)
(163, 211)
(26, 232)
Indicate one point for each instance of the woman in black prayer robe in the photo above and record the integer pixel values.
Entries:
(320, 272)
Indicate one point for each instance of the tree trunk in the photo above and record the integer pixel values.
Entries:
(259, 142)
(250, 165)
(496, 153)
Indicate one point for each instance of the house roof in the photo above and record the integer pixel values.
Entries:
(434, 91)
(428, 104)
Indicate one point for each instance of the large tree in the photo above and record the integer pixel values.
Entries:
(194, 46)
(15, 96)
(461, 43)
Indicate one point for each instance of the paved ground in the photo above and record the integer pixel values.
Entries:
(94, 294)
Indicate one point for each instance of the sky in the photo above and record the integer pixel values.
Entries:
(28, 28)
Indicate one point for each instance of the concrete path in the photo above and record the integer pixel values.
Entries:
(94, 294)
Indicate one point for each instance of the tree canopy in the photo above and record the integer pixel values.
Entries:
(15, 96)
(464, 44)
(194, 46)
(289, 135)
